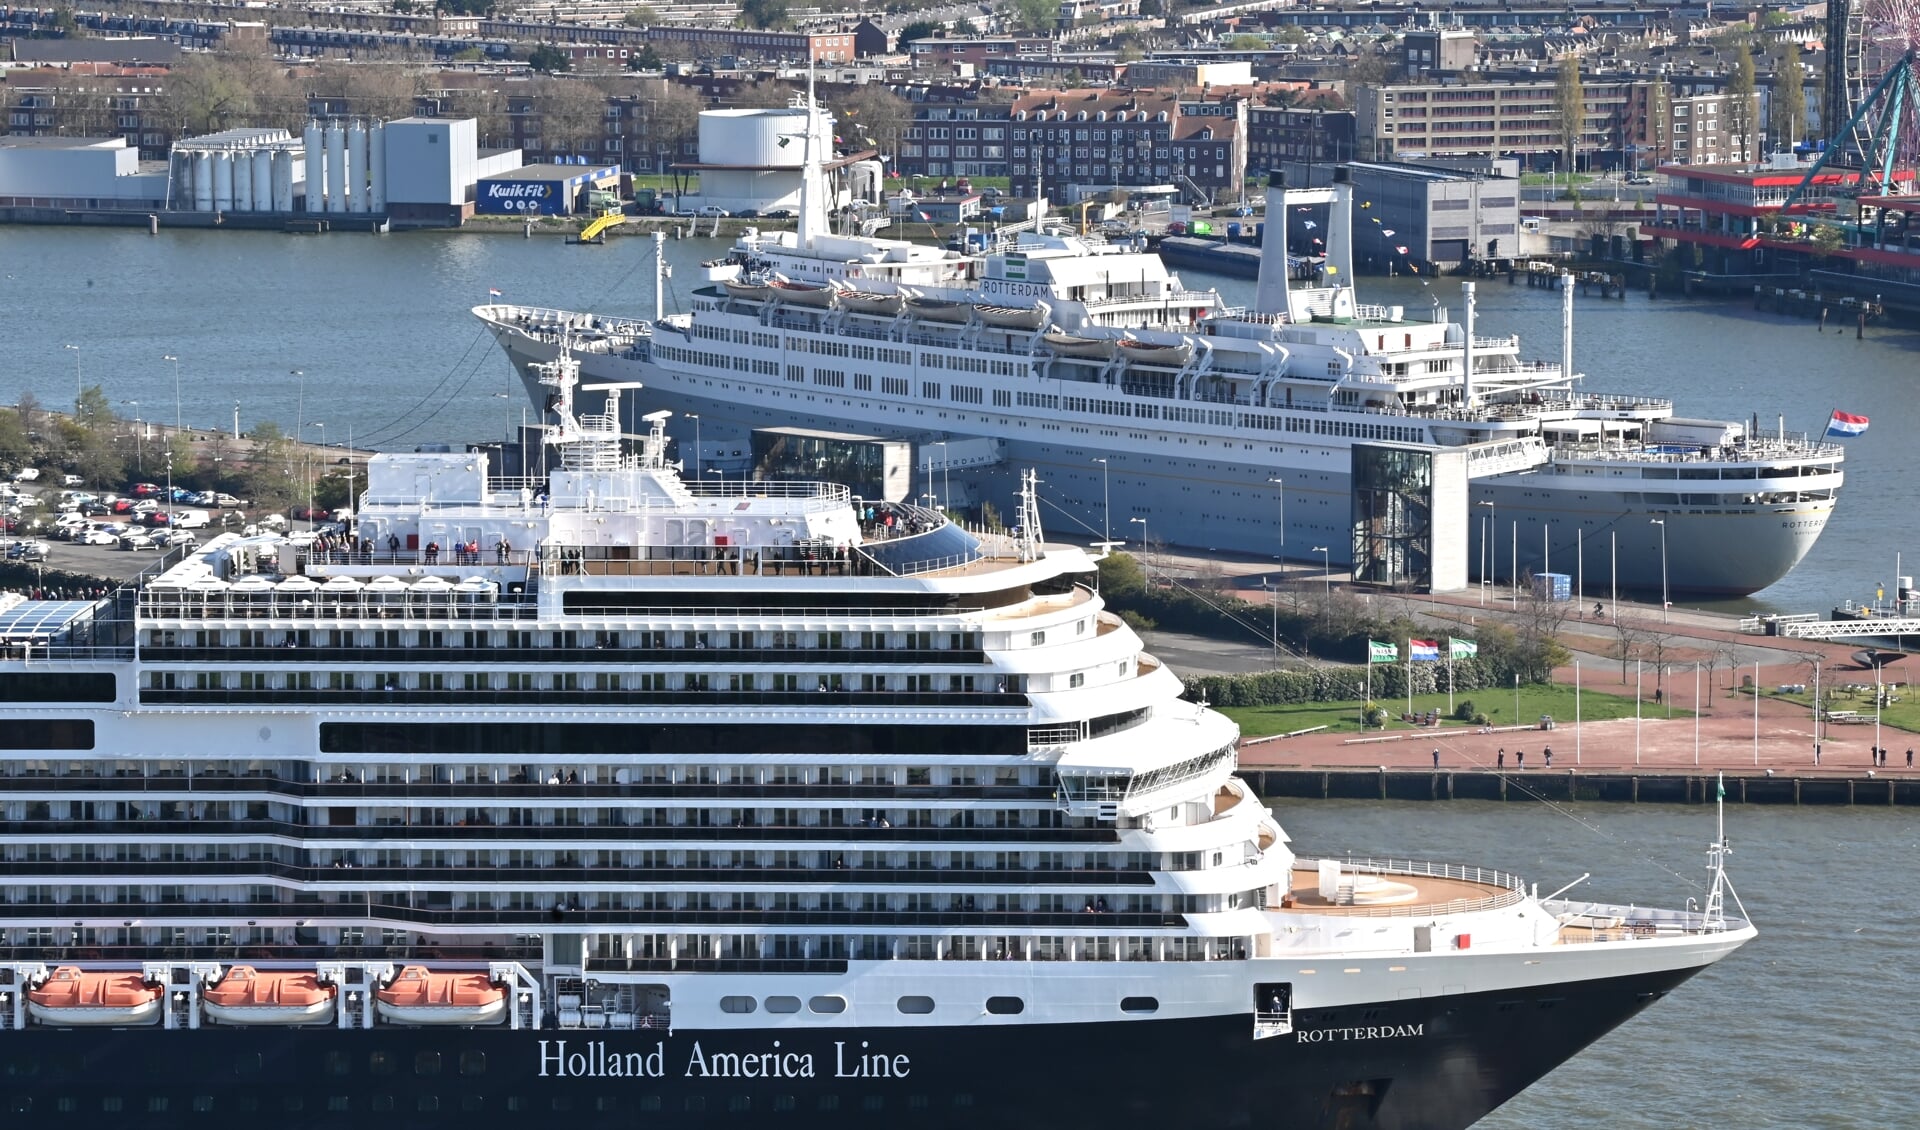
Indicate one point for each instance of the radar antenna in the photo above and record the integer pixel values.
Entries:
(1030, 541)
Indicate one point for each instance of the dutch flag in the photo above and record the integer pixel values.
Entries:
(1423, 651)
(1844, 424)
(492, 293)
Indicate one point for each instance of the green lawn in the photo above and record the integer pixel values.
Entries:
(1902, 713)
(1555, 178)
(1261, 721)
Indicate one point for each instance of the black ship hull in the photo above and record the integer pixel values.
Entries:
(1425, 1063)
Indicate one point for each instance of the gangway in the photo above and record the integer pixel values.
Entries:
(596, 232)
(1879, 627)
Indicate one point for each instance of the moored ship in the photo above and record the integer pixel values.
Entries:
(615, 798)
(1222, 428)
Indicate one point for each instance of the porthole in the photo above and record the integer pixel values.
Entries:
(1139, 1004)
(783, 1004)
(426, 1063)
(827, 1004)
(473, 1062)
(338, 1063)
(1006, 1006)
(380, 1063)
(916, 1006)
(737, 1004)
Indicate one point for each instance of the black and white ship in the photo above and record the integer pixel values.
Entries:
(612, 800)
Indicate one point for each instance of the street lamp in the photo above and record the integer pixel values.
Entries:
(323, 442)
(1143, 537)
(1106, 508)
(1326, 574)
(139, 439)
(1664, 603)
(1488, 547)
(695, 417)
(76, 377)
(176, 389)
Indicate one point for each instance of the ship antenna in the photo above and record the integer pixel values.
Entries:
(1031, 539)
(1714, 921)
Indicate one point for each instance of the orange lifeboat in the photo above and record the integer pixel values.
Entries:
(418, 995)
(245, 996)
(71, 996)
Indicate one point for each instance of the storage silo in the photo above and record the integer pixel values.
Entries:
(356, 166)
(202, 181)
(222, 181)
(263, 180)
(179, 179)
(283, 180)
(242, 180)
(336, 167)
(377, 167)
(316, 168)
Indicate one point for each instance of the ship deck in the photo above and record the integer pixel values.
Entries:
(1402, 890)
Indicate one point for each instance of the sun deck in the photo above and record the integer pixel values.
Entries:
(1372, 889)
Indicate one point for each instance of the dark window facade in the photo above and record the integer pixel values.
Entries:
(638, 738)
(47, 687)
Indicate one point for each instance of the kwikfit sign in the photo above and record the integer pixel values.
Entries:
(520, 196)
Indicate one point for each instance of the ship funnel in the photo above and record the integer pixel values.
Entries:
(1270, 292)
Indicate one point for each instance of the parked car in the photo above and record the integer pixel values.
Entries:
(778, 214)
(273, 522)
(136, 542)
(1640, 178)
(176, 539)
(146, 490)
(224, 499)
(714, 210)
(95, 509)
(98, 536)
(71, 480)
(192, 519)
(27, 475)
(156, 518)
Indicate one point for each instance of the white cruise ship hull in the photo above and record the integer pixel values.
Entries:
(1221, 498)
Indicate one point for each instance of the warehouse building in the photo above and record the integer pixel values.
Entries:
(542, 190)
(78, 173)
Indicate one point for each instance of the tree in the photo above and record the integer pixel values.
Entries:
(1570, 102)
(1246, 41)
(765, 14)
(572, 114)
(1743, 101)
(1030, 15)
(965, 26)
(878, 115)
(548, 59)
(16, 450)
(1152, 9)
(1787, 109)
(918, 29)
(91, 410)
(642, 16)
(673, 119)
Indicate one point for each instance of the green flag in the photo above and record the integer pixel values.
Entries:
(1720, 787)
(1382, 652)
(1461, 649)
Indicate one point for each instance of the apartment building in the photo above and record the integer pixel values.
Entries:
(1408, 121)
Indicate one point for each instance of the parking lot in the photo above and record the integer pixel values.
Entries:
(93, 560)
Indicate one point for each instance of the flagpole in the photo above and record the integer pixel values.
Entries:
(1409, 674)
(1756, 715)
(1636, 712)
(1576, 711)
(1696, 714)
(1449, 675)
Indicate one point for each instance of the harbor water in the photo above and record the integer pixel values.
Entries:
(1800, 1028)
(379, 328)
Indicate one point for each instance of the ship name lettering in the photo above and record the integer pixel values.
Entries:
(775, 1064)
(1360, 1032)
(596, 1062)
(869, 1065)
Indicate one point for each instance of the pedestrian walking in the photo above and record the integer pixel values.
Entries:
(1519, 759)
(1501, 759)
(1548, 754)
(1436, 757)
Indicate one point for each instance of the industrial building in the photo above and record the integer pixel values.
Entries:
(541, 190)
(750, 161)
(1441, 216)
(237, 170)
(78, 173)
(432, 167)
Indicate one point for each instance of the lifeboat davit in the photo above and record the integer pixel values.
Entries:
(71, 997)
(870, 302)
(1073, 345)
(752, 291)
(1155, 353)
(1013, 317)
(420, 996)
(803, 294)
(939, 309)
(244, 996)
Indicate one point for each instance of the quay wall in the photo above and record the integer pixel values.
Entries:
(1348, 783)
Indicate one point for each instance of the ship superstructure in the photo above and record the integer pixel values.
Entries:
(1221, 427)
(613, 797)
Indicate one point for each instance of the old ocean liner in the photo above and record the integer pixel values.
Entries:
(1223, 428)
(613, 800)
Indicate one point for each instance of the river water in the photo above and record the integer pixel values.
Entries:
(379, 326)
(1804, 1027)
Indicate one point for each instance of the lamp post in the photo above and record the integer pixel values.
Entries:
(176, 389)
(1143, 537)
(1664, 602)
(695, 417)
(76, 377)
(1489, 554)
(139, 437)
(300, 422)
(1106, 507)
(1282, 484)
(1326, 575)
(323, 442)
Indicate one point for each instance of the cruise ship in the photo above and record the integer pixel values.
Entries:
(614, 799)
(1220, 428)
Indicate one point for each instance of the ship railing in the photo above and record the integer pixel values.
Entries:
(31, 652)
(454, 829)
(1587, 923)
(823, 695)
(592, 654)
(1512, 889)
(1568, 398)
(816, 496)
(511, 786)
(276, 952)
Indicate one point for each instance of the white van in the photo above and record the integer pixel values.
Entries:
(191, 519)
